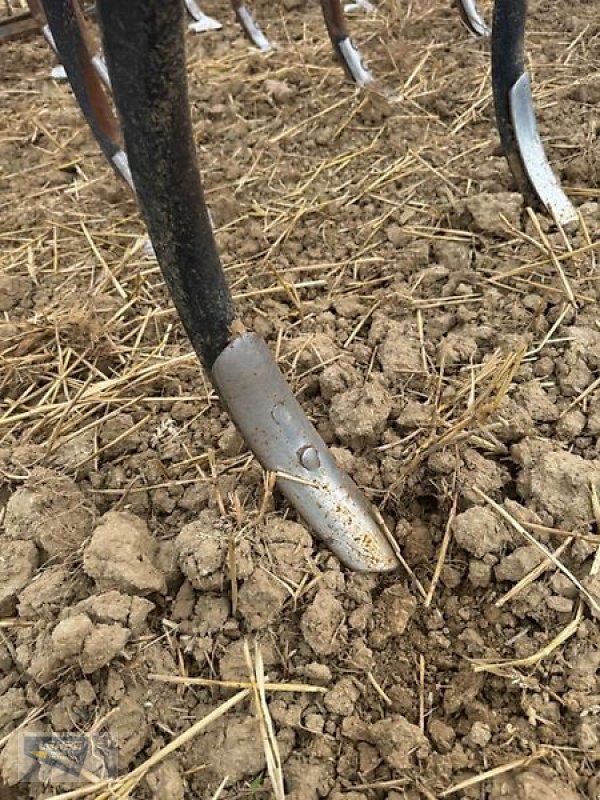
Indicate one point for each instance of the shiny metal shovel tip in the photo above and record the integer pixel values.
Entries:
(533, 156)
(58, 73)
(205, 24)
(276, 429)
(352, 58)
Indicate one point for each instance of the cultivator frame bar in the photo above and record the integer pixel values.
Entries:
(250, 26)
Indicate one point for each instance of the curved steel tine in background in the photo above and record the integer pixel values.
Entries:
(144, 45)
(65, 25)
(250, 26)
(473, 18)
(346, 50)
(202, 22)
(515, 114)
(97, 59)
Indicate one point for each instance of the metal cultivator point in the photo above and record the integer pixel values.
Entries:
(250, 26)
(515, 114)
(144, 47)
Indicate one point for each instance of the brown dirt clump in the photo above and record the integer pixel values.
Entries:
(121, 555)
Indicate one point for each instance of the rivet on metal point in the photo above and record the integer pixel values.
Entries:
(309, 458)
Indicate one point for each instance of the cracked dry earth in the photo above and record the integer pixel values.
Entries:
(376, 241)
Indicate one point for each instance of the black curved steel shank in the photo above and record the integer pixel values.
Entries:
(144, 49)
(64, 20)
(508, 64)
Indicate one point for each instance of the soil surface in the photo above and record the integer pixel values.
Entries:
(375, 239)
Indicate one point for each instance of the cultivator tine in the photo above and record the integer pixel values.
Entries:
(250, 26)
(67, 35)
(202, 22)
(515, 114)
(145, 51)
(346, 50)
(473, 18)
(97, 60)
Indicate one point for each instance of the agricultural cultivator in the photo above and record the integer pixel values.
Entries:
(144, 47)
(151, 147)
